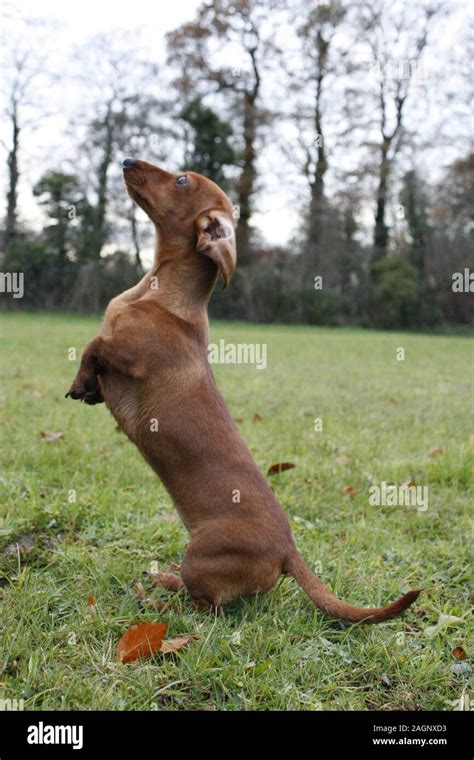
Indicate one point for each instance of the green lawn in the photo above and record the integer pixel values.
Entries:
(380, 419)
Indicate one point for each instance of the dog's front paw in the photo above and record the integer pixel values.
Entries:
(85, 389)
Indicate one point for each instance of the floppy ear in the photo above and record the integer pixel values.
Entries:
(216, 239)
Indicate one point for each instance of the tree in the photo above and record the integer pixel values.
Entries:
(414, 202)
(210, 151)
(396, 36)
(62, 199)
(450, 249)
(23, 76)
(123, 116)
(312, 83)
(395, 292)
(241, 25)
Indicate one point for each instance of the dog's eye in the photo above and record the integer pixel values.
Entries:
(182, 180)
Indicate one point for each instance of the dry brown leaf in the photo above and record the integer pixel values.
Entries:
(349, 491)
(172, 645)
(392, 400)
(145, 600)
(435, 451)
(52, 436)
(343, 459)
(257, 417)
(459, 653)
(90, 601)
(140, 641)
(139, 590)
(275, 468)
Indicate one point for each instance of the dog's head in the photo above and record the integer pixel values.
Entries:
(187, 209)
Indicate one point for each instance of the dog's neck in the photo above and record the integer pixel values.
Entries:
(181, 280)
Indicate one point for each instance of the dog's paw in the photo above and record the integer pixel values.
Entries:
(85, 389)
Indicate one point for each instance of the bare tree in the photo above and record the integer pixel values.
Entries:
(311, 81)
(23, 73)
(397, 36)
(240, 24)
(124, 115)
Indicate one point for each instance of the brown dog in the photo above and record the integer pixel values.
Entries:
(150, 366)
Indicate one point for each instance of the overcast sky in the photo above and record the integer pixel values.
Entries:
(76, 22)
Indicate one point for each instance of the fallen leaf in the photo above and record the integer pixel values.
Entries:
(145, 600)
(23, 545)
(140, 641)
(408, 483)
(349, 491)
(36, 395)
(444, 621)
(459, 653)
(435, 450)
(257, 417)
(280, 467)
(91, 601)
(139, 590)
(172, 645)
(392, 400)
(52, 436)
(342, 459)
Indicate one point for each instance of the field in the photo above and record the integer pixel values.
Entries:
(83, 517)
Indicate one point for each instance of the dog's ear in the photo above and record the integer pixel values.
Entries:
(216, 239)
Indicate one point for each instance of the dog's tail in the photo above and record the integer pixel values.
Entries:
(336, 608)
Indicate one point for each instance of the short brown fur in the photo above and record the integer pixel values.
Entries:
(150, 363)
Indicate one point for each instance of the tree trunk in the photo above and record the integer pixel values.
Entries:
(316, 204)
(102, 197)
(246, 183)
(13, 177)
(136, 244)
(381, 229)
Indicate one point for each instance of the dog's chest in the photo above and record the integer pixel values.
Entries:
(120, 397)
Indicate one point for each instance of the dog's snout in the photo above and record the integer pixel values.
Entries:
(128, 163)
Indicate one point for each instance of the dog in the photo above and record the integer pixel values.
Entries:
(150, 366)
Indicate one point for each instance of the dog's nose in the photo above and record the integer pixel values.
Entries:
(128, 163)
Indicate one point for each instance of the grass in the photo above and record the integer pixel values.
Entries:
(84, 516)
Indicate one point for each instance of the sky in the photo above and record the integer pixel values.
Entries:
(79, 21)
(76, 22)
